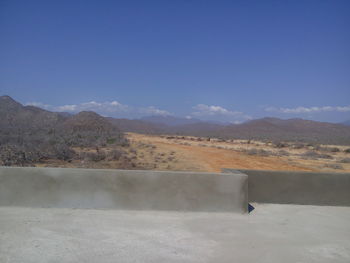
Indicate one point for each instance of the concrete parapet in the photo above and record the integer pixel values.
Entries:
(122, 189)
(289, 187)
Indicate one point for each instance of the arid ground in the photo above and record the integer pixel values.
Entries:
(187, 153)
(193, 153)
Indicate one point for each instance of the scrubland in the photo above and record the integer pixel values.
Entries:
(189, 153)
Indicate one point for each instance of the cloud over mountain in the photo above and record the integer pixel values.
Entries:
(108, 108)
(214, 112)
(119, 110)
(309, 109)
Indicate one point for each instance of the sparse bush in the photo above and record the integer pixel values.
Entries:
(111, 140)
(126, 163)
(282, 153)
(133, 151)
(10, 155)
(328, 149)
(298, 146)
(345, 160)
(95, 156)
(114, 154)
(25, 155)
(334, 166)
(310, 144)
(335, 150)
(63, 152)
(347, 150)
(315, 155)
(280, 145)
(259, 152)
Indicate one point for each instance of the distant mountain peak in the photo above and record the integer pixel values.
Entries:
(88, 114)
(6, 97)
(88, 120)
(8, 101)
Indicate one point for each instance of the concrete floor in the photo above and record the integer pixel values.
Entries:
(271, 233)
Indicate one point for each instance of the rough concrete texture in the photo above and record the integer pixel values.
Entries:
(272, 233)
(121, 189)
(289, 187)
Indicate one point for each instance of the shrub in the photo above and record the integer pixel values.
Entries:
(259, 152)
(115, 154)
(12, 156)
(315, 155)
(345, 160)
(95, 156)
(111, 140)
(334, 150)
(298, 146)
(329, 149)
(280, 145)
(334, 166)
(62, 152)
(282, 153)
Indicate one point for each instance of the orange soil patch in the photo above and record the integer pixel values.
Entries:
(214, 159)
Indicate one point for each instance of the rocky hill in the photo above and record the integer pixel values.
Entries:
(15, 115)
(30, 134)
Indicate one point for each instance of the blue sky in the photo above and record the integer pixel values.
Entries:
(216, 60)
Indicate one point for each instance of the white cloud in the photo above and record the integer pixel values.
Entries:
(39, 105)
(67, 108)
(119, 110)
(301, 109)
(236, 122)
(219, 113)
(204, 110)
(112, 109)
(99, 107)
(151, 110)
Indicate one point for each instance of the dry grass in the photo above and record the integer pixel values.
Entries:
(201, 154)
(188, 153)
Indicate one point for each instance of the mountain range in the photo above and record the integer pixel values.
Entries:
(347, 123)
(14, 116)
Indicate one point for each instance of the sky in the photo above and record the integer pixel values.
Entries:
(222, 60)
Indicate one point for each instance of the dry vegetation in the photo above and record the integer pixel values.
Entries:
(211, 154)
(30, 136)
(190, 153)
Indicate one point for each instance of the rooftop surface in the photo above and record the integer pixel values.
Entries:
(271, 233)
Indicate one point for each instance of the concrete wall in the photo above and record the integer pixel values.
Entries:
(306, 188)
(122, 189)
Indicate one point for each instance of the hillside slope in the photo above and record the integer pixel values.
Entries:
(29, 134)
(289, 130)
